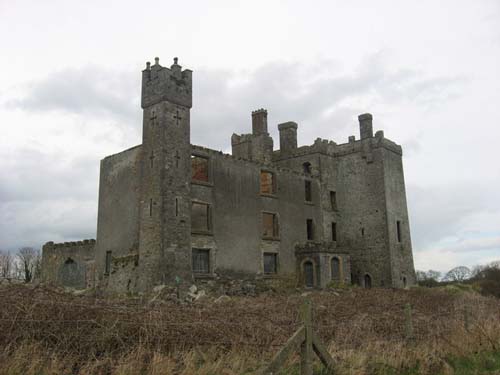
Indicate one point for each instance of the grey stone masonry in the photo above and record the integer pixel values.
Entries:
(171, 212)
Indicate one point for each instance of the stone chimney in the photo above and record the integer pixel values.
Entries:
(259, 122)
(365, 125)
(288, 136)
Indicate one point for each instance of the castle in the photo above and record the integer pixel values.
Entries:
(173, 212)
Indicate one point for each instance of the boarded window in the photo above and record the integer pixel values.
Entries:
(201, 260)
(398, 229)
(334, 231)
(270, 263)
(307, 167)
(200, 217)
(308, 191)
(333, 200)
(270, 225)
(267, 183)
(335, 269)
(199, 168)
(310, 229)
(107, 267)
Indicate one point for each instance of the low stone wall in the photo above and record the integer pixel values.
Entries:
(69, 264)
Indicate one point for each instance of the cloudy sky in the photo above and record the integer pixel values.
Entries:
(428, 71)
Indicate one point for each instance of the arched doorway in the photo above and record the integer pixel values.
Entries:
(309, 274)
(335, 266)
(368, 281)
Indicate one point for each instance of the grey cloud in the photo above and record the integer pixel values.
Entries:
(89, 91)
(440, 212)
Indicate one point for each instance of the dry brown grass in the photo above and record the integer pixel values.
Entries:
(47, 331)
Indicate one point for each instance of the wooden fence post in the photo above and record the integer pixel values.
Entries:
(308, 342)
(306, 347)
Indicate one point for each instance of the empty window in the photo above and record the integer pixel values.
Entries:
(398, 229)
(199, 168)
(307, 167)
(334, 231)
(308, 191)
(200, 217)
(267, 183)
(310, 229)
(362, 232)
(333, 200)
(270, 226)
(270, 263)
(335, 269)
(201, 260)
(107, 265)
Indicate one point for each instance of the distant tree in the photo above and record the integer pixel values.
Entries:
(433, 275)
(458, 274)
(6, 264)
(29, 263)
(420, 275)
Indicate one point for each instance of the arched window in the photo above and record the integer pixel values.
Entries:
(307, 167)
(309, 274)
(404, 282)
(335, 269)
(368, 281)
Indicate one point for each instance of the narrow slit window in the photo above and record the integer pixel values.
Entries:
(201, 260)
(270, 225)
(267, 183)
(334, 231)
(398, 229)
(270, 263)
(200, 217)
(307, 168)
(333, 200)
(176, 206)
(308, 191)
(151, 207)
(199, 168)
(310, 229)
(107, 266)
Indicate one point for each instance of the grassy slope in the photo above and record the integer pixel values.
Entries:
(46, 331)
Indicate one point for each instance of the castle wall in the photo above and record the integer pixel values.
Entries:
(69, 264)
(236, 203)
(401, 257)
(118, 219)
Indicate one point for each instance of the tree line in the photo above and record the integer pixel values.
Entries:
(485, 277)
(24, 264)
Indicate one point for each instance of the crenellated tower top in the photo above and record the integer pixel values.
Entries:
(160, 83)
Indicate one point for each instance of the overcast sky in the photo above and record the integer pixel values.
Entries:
(428, 71)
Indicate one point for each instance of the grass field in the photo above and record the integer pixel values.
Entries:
(49, 331)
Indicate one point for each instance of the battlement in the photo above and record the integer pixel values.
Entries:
(160, 83)
(70, 244)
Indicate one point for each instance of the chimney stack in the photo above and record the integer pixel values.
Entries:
(259, 122)
(365, 125)
(288, 136)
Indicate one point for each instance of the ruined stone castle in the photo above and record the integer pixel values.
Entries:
(172, 212)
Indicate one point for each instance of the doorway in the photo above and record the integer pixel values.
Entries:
(309, 274)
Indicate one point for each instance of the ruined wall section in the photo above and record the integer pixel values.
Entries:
(237, 205)
(403, 271)
(118, 219)
(69, 264)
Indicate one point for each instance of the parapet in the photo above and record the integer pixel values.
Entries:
(163, 84)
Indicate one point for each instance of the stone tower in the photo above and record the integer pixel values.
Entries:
(165, 222)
